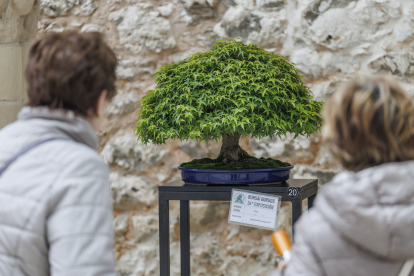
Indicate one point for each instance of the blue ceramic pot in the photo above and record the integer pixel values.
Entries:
(248, 176)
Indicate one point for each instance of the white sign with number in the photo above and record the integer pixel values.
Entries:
(254, 209)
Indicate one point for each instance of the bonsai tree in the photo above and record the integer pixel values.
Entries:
(231, 91)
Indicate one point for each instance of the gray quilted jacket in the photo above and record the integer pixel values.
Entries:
(55, 208)
(362, 224)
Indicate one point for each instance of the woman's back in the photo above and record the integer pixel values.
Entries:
(55, 209)
(361, 224)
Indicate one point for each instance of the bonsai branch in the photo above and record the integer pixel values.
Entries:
(231, 151)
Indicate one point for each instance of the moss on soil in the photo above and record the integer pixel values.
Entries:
(251, 163)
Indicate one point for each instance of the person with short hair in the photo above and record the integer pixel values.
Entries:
(55, 203)
(362, 222)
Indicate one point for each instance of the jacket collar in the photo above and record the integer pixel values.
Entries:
(64, 122)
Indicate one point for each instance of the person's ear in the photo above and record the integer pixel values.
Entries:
(101, 103)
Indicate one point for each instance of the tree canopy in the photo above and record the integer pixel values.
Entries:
(231, 89)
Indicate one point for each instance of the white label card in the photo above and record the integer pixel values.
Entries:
(254, 209)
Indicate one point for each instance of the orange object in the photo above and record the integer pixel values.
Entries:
(282, 244)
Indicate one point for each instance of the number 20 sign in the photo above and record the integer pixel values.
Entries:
(292, 192)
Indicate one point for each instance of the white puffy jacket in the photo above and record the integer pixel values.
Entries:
(55, 207)
(362, 224)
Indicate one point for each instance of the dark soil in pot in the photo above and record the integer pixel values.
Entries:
(251, 163)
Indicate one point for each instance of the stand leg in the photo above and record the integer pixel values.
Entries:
(164, 220)
(185, 237)
(310, 201)
(296, 212)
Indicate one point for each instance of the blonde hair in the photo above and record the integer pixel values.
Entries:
(368, 123)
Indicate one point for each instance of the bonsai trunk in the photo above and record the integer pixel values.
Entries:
(231, 151)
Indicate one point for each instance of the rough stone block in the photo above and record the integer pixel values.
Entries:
(198, 10)
(140, 28)
(395, 63)
(121, 224)
(341, 28)
(127, 152)
(207, 214)
(252, 26)
(305, 171)
(54, 8)
(132, 191)
(294, 148)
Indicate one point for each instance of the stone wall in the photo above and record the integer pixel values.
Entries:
(331, 41)
(18, 26)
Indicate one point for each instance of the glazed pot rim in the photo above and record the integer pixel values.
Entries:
(237, 170)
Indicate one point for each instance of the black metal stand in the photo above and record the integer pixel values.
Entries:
(294, 190)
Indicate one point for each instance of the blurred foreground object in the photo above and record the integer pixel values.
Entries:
(18, 28)
(282, 244)
(53, 168)
(362, 220)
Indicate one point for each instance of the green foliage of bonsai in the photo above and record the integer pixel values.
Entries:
(231, 91)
